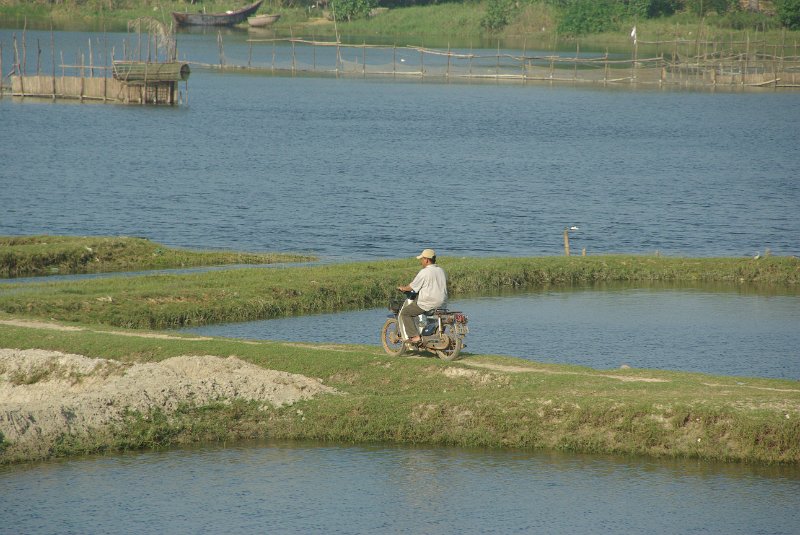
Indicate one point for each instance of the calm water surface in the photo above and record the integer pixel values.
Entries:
(354, 169)
(312, 488)
(688, 329)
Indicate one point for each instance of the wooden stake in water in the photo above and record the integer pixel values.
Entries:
(566, 241)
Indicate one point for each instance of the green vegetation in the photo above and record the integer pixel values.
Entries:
(176, 300)
(486, 401)
(538, 20)
(27, 256)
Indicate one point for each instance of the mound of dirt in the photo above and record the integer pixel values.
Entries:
(44, 394)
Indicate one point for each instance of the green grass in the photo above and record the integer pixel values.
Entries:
(466, 403)
(27, 256)
(177, 300)
(459, 24)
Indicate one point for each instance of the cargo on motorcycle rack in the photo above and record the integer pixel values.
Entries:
(442, 331)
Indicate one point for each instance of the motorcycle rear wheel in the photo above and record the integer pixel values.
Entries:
(453, 349)
(390, 338)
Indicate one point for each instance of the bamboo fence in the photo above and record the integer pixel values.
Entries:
(662, 63)
(142, 77)
(674, 62)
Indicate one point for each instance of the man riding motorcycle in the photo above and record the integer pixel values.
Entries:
(430, 284)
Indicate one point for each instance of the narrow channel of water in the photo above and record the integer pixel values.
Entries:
(292, 487)
(707, 329)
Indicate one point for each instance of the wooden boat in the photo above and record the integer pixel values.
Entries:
(228, 18)
(261, 21)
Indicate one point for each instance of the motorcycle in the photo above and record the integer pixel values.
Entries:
(442, 331)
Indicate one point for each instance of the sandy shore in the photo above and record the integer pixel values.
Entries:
(44, 394)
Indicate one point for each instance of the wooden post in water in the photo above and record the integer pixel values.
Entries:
(16, 68)
(24, 66)
(91, 60)
(422, 61)
(294, 64)
(447, 74)
(566, 241)
(575, 65)
(364, 59)
(497, 61)
(82, 75)
(53, 58)
(524, 59)
(221, 49)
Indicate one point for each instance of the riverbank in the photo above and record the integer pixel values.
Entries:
(33, 256)
(357, 394)
(532, 26)
(159, 301)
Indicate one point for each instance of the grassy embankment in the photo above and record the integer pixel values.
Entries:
(436, 25)
(484, 401)
(176, 300)
(30, 256)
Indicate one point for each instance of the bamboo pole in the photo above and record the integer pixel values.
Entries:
(293, 57)
(18, 70)
(422, 61)
(221, 48)
(53, 58)
(497, 61)
(447, 73)
(82, 75)
(24, 65)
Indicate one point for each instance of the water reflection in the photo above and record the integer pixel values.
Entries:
(291, 487)
(709, 329)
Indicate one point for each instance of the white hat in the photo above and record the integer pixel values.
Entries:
(427, 253)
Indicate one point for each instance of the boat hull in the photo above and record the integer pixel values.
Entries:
(262, 21)
(216, 19)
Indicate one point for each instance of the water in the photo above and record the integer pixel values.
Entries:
(312, 488)
(354, 169)
(688, 329)
(357, 169)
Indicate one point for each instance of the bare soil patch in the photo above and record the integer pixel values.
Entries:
(44, 394)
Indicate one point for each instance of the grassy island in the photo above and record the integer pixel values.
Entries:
(480, 401)
(108, 326)
(31, 256)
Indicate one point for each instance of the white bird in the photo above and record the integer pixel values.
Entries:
(573, 227)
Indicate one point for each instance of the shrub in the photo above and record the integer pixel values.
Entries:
(498, 14)
(580, 17)
(352, 9)
(788, 12)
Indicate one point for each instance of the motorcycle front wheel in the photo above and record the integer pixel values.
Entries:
(390, 338)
